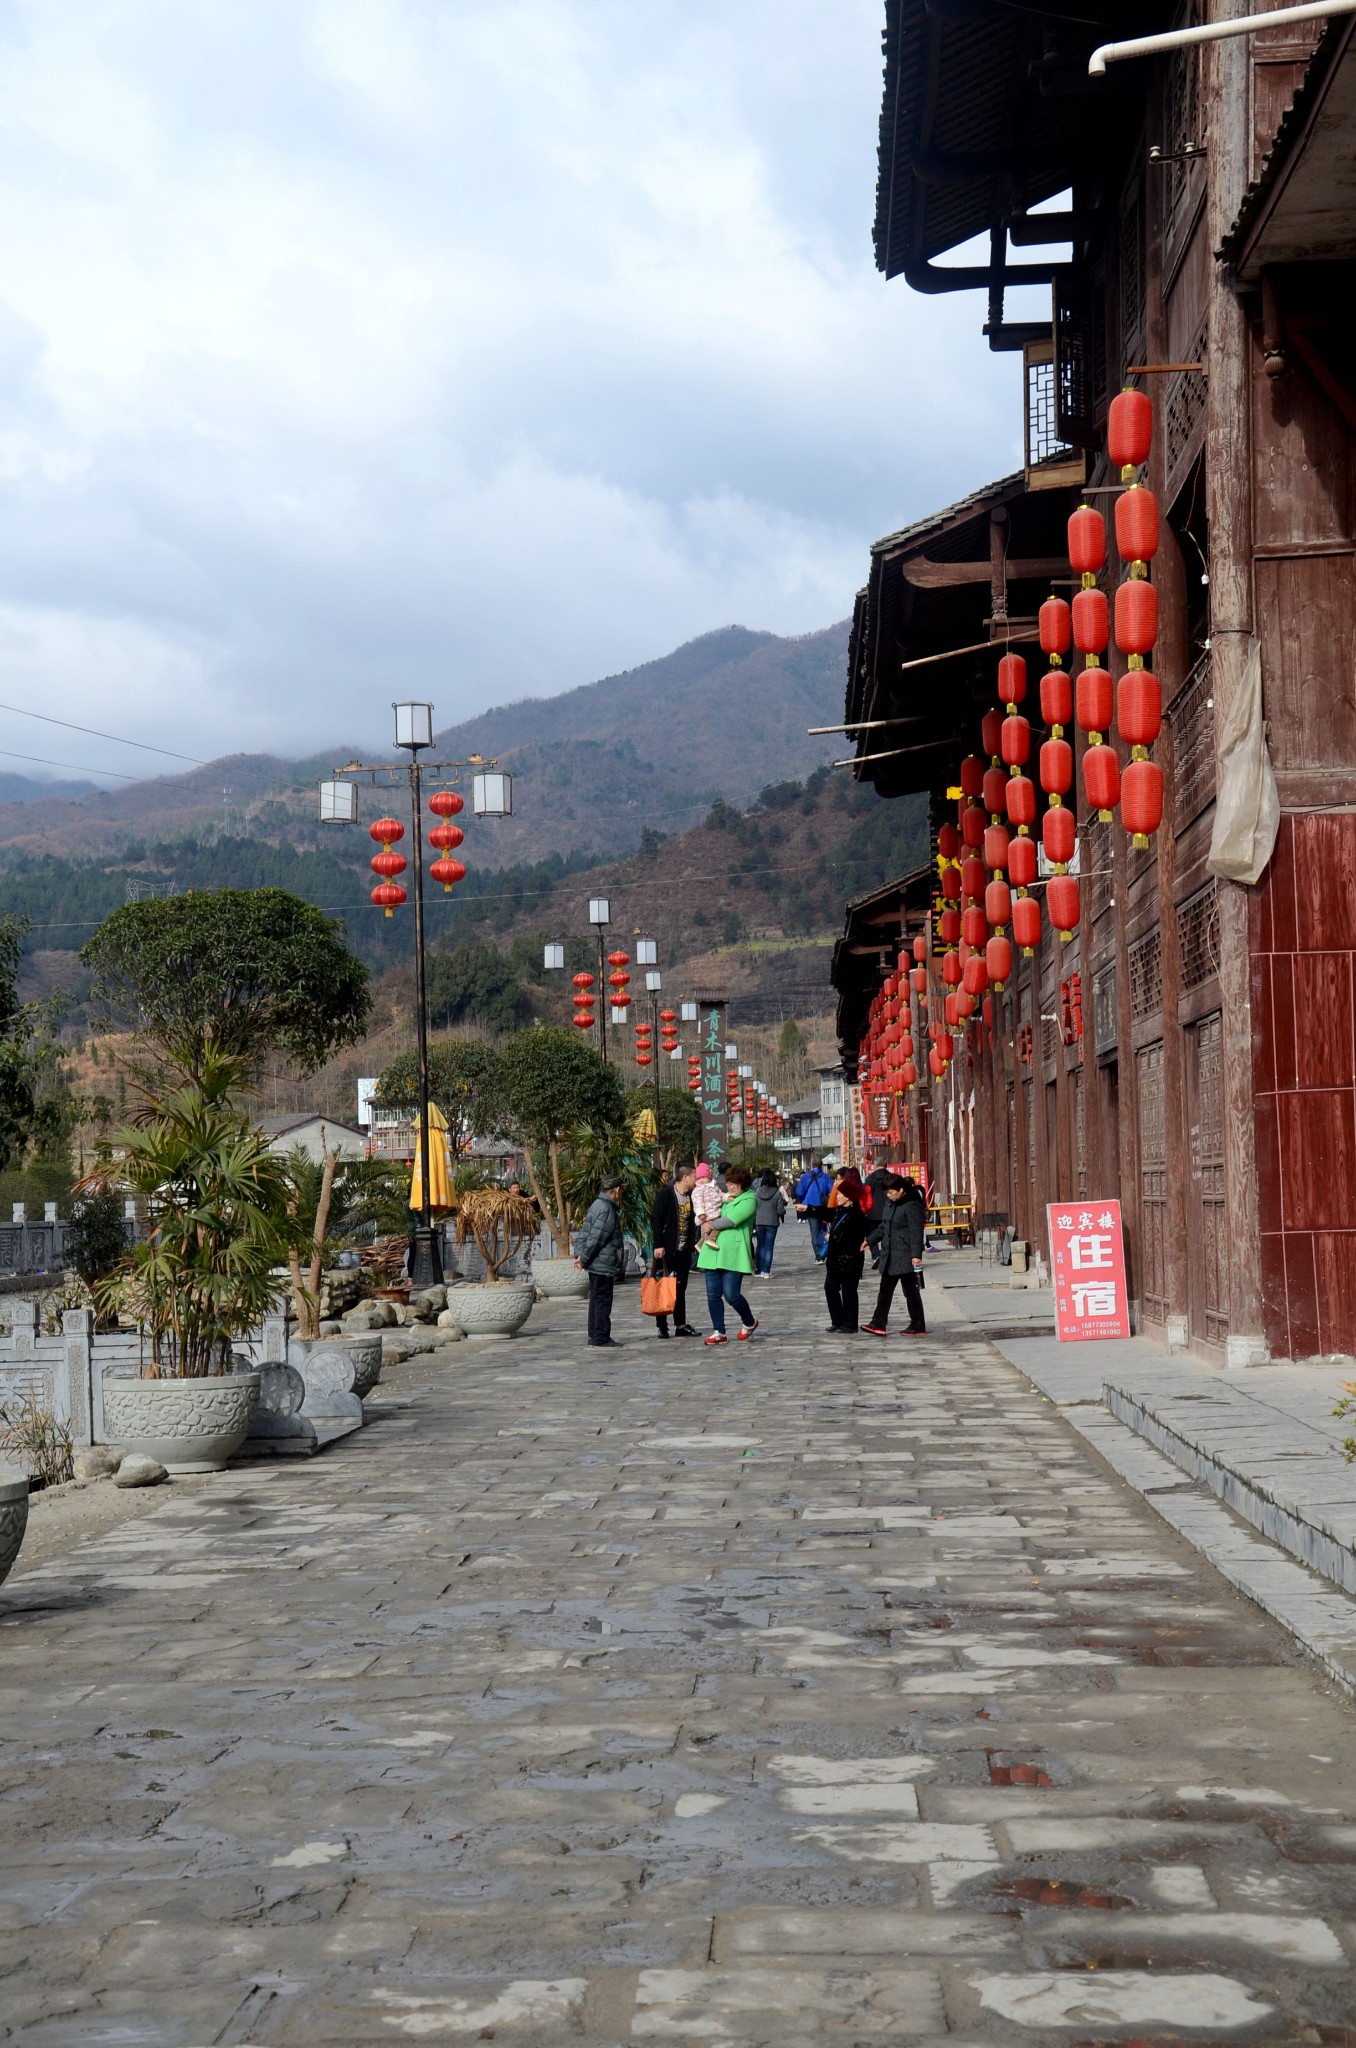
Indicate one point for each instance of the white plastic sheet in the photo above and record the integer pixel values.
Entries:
(1247, 807)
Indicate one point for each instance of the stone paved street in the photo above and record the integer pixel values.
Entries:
(816, 1691)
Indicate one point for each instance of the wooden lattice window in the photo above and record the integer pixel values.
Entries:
(1132, 294)
(1207, 1174)
(1097, 873)
(1183, 174)
(1192, 717)
(1184, 413)
(1153, 1175)
(1146, 978)
(1198, 936)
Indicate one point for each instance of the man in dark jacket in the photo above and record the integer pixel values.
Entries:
(601, 1252)
(673, 1235)
(898, 1241)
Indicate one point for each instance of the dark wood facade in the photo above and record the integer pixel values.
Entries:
(1210, 214)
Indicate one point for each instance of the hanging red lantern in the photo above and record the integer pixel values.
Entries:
(908, 1074)
(975, 927)
(1056, 767)
(447, 838)
(951, 969)
(1058, 836)
(1055, 625)
(1136, 616)
(946, 1044)
(990, 726)
(1012, 680)
(1087, 541)
(388, 896)
(951, 883)
(971, 776)
(996, 843)
(948, 842)
(936, 1064)
(387, 830)
(1062, 904)
(1139, 707)
(448, 872)
(920, 949)
(388, 864)
(583, 981)
(446, 803)
(668, 1016)
(619, 959)
(996, 786)
(949, 926)
(965, 1005)
(1129, 430)
(998, 903)
(998, 959)
(974, 877)
(1137, 524)
(1142, 800)
(1026, 924)
(973, 822)
(643, 1059)
(976, 975)
(918, 979)
(1091, 620)
(1056, 699)
(583, 1022)
(1016, 740)
(1102, 780)
(906, 1046)
(1094, 702)
(619, 980)
(1022, 863)
(988, 1013)
(949, 1011)
(1021, 800)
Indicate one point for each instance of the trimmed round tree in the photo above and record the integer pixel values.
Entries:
(552, 1085)
(236, 972)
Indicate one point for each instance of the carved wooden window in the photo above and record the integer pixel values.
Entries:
(1198, 936)
(1153, 1177)
(1146, 978)
(1192, 717)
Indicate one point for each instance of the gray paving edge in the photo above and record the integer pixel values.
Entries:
(1321, 1618)
(1284, 1523)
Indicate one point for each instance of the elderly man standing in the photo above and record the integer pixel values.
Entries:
(601, 1252)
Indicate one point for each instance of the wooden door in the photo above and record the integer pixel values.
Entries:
(1207, 1233)
(1153, 1184)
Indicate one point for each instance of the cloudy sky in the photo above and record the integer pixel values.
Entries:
(466, 349)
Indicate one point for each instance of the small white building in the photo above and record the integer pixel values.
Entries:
(833, 1109)
(315, 1135)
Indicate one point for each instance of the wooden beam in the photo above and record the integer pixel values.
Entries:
(926, 574)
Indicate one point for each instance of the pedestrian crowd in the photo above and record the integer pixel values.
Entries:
(723, 1222)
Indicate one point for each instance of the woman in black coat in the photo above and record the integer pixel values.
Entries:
(843, 1255)
(897, 1239)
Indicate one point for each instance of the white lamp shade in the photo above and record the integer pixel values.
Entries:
(654, 981)
(647, 953)
(552, 956)
(338, 803)
(413, 725)
(732, 1052)
(619, 1016)
(492, 793)
(600, 911)
(689, 1013)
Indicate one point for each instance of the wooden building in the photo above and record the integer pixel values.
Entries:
(1204, 198)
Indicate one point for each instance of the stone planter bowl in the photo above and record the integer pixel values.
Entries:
(13, 1522)
(365, 1351)
(484, 1312)
(559, 1279)
(188, 1425)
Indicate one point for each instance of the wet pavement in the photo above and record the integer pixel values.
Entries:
(820, 1690)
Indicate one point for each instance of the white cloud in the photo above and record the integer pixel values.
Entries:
(479, 345)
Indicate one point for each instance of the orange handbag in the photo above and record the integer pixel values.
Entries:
(658, 1294)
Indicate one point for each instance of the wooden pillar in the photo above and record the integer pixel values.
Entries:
(1170, 577)
(1228, 497)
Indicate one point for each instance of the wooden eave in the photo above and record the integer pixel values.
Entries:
(1302, 206)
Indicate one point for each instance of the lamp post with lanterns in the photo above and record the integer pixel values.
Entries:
(491, 797)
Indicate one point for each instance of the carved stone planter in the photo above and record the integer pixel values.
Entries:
(484, 1312)
(364, 1351)
(188, 1425)
(560, 1279)
(13, 1522)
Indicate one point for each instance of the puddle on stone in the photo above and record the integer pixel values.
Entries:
(1066, 1893)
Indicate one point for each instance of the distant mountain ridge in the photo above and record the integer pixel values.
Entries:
(594, 766)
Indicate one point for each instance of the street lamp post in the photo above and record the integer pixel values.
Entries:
(600, 917)
(492, 797)
(647, 956)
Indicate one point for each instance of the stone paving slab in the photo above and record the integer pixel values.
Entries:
(824, 1690)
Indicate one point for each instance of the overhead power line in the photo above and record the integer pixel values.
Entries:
(74, 766)
(20, 711)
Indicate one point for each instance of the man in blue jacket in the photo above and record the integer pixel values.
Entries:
(811, 1197)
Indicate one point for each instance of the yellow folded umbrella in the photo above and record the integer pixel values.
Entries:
(441, 1194)
(643, 1127)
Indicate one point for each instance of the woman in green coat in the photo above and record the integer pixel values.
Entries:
(727, 1255)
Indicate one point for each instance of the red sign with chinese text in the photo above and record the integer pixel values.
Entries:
(1087, 1268)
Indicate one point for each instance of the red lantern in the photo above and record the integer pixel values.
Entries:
(643, 1059)
(583, 1022)
(1136, 616)
(1129, 429)
(1016, 741)
(583, 981)
(949, 927)
(918, 979)
(971, 776)
(975, 928)
(1091, 621)
(950, 880)
(948, 842)
(950, 1011)
(1022, 863)
(976, 975)
(1094, 702)
(998, 959)
(1021, 800)
(446, 803)
(1139, 707)
(388, 896)
(1137, 525)
(620, 979)
(1056, 697)
(1142, 800)
(448, 872)
(1058, 834)
(906, 1046)
(990, 726)
(946, 1045)
(951, 969)
(1087, 541)
(1026, 923)
(1012, 679)
(1055, 625)
(920, 949)
(998, 903)
(447, 838)
(619, 959)
(972, 825)
(974, 877)
(389, 864)
(965, 1005)
(988, 1012)
(1061, 901)
(936, 1064)
(668, 1016)
(1056, 767)
(996, 842)
(996, 785)
(387, 830)
(908, 1074)
(1102, 779)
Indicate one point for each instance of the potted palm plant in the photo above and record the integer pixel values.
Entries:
(206, 1272)
(551, 1087)
(499, 1224)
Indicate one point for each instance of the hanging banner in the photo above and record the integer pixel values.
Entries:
(1087, 1269)
(711, 1049)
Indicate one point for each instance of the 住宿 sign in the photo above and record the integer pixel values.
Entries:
(1087, 1269)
